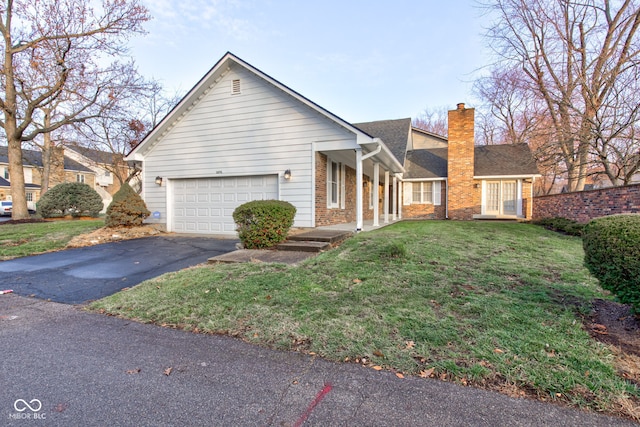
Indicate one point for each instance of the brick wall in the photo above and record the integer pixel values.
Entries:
(427, 210)
(582, 206)
(464, 199)
(326, 216)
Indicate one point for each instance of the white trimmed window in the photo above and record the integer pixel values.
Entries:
(79, 177)
(29, 195)
(335, 185)
(420, 193)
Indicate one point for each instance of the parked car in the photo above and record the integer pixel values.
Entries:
(5, 207)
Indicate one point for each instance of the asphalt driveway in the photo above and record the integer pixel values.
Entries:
(75, 276)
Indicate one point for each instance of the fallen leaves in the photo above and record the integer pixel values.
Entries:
(377, 367)
(167, 371)
(378, 353)
(409, 345)
(399, 375)
(427, 373)
(133, 371)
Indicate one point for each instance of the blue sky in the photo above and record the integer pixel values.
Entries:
(362, 60)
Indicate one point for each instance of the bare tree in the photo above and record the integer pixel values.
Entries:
(575, 57)
(48, 46)
(433, 120)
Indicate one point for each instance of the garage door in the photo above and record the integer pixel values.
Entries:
(206, 205)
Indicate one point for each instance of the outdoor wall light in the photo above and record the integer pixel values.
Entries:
(159, 180)
(287, 174)
(476, 185)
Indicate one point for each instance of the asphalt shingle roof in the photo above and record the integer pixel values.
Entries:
(97, 155)
(34, 158)
(490, 160)
(504, 159)
(394, 134)
(431, 163)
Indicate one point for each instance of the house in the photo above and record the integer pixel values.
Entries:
(109, 168)
(78, 164)
(67, 170)
(240, 135)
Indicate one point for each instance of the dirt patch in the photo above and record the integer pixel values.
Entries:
(104, 235)
(614, 324)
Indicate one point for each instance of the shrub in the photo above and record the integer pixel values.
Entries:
(612, 254)
(263, 223)
(564, 225)
(70, 198)
(127, 209)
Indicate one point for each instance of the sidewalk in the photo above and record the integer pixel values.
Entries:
(94, 370)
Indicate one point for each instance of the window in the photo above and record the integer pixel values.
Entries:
(335, 184)
(29, 197)
(422, 192)
(372, 193)
(107, 173)
(6, 173)
(79, 177)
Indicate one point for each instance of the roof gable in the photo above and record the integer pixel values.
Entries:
(209, 81)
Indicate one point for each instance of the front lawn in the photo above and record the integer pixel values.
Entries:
(18, 240)
(495, 305)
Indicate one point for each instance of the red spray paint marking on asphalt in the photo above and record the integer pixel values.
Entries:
(327, 388)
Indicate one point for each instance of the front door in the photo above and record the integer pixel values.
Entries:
(501, 198)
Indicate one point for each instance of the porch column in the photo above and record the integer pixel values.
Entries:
(394, 202)
(359, 189)
(376, 197)
(386, 197)
(400, 198)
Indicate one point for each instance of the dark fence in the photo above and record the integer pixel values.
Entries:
(583, 206)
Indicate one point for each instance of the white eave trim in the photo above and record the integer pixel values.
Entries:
(424, 179)
(393, 163)
(507, 176)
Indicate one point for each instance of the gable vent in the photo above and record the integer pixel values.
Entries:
(235, 87)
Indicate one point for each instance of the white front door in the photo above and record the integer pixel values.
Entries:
(501, 198)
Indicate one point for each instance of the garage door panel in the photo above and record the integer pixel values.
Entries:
(206, 205)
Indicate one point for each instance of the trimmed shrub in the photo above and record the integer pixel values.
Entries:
(612, 254)
(563, 225)
(127, 209)
(70, 198)
(263, 223)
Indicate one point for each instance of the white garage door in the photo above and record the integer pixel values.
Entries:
(206, 205)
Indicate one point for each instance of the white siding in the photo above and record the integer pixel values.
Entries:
(261, 131)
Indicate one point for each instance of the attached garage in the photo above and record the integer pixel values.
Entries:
(206, 205)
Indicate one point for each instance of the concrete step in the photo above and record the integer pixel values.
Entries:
(303, 246)
(328, 236)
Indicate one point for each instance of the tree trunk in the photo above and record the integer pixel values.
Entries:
(16, 175)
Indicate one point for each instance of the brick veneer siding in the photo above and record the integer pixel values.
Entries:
(583, 206)
(427, 210)
(464, 198)
(331, 216)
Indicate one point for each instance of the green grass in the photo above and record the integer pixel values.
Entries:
(497, 305)
(18, 240)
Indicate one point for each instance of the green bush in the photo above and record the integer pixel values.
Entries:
(70, 198)
(127, 209)
(263, 223)
(564, 225)
(612, 254)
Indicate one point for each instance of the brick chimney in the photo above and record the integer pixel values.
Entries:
(463, 197)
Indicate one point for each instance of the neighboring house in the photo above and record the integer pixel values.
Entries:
(105, 165)
(67, 170)
(240, 135)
